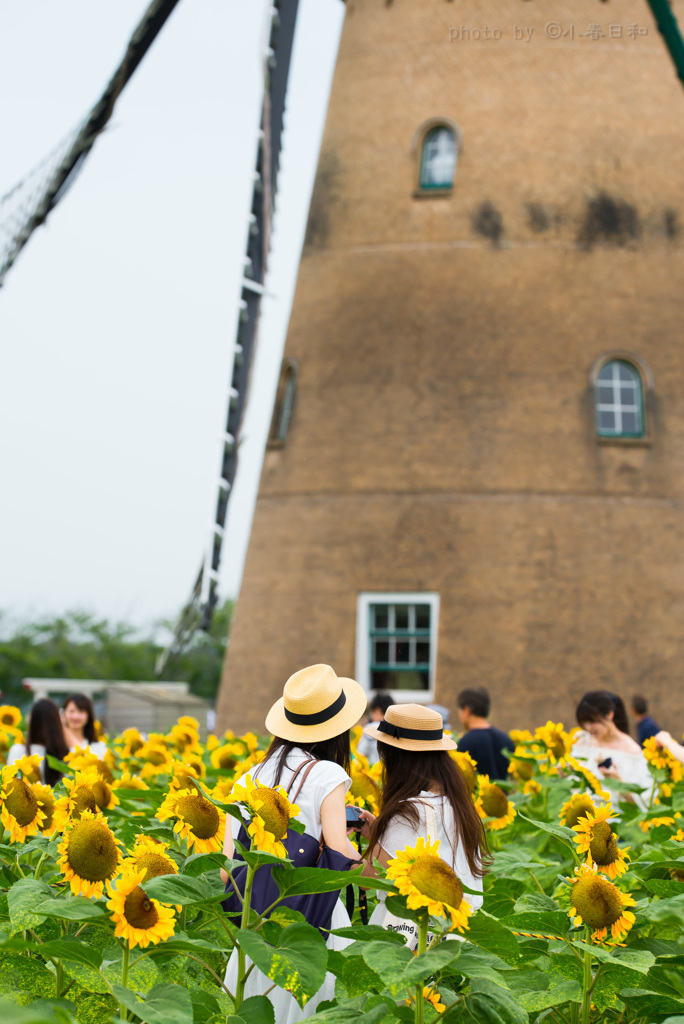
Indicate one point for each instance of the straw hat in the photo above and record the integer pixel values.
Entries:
(316, 705)
(411, 727)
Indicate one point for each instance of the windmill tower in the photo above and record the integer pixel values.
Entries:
(475, 468)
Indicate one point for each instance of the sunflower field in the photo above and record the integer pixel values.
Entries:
(110, 894)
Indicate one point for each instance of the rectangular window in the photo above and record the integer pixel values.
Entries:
(396, 644)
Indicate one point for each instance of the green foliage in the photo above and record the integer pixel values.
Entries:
(78, 645)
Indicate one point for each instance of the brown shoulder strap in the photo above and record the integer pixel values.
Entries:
(310, 764)
(310, 761)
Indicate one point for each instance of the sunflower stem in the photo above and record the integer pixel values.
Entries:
(59, 977)
(423, 922)
(244, 923)
(124, 977)
(587, 988)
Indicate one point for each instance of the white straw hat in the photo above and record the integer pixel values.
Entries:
(411, 727)
(316, 705)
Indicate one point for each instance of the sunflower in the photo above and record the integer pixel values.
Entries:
(521, 736)
(572, 765)
(20, 812)
(184, 735)
(272, 812)
(128, 781)
(596, 838)
(646, 826)
(227, 756)
(493, 805)
(467, 766)
(9, 736)
(212, 742)
(576, 807)
(81, 759)
(659, 757)
(197, 819)
(29, 766)
(222, 790)
(365, 789)
(132, 742)
(421, 875)
(600, 905)
(184, 776)
(557, 741)
(157, 757)
(46, 801)
(139, 920)
(80, 797)
(150, 857)
(89, 854)
(10, 717)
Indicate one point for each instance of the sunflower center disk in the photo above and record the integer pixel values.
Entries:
(434, 878)
(153, 864)
(580, 807)
(101, 794)
(603, 846)
(227, 761)
(597, 901)
(92, 852)
(524, 769)
(139, 911)
(201, 816)
(494, 802)
(104, 771)
(468, 773)
(157, 757)
(84, 800)
(135, 745)
(274, 812)
(21, 802)
(365, 787)
(46, 802)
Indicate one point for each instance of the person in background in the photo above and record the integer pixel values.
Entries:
(646, 726)
(607, 749)
(368, 745)
(45, 735)
(79, 725)
(484, 743)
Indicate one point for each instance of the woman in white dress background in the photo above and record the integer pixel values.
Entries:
(79, 725)
(606, 748)
(311, 720)
(44, 735)
(424, 795)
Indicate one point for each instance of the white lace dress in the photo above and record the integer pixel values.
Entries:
(323, 778)
(630, 767)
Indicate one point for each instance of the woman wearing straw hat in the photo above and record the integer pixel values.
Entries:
(310, 725)
(425, 794)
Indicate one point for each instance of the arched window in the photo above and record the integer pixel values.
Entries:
(619, 400)
(284, 404)
(438, 160)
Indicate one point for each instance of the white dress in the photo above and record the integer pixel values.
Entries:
(18, 750)
(630, 767)
(323, 778)
(400, 834)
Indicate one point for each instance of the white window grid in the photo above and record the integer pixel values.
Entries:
(367, 634)
(439, 158)
(624, 384)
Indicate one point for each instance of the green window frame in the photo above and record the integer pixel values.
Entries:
(438, 158)
(619, 401)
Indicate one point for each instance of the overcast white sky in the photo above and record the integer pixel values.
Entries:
(117, 321)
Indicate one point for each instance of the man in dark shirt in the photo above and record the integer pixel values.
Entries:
(482, 741)
(646, 727)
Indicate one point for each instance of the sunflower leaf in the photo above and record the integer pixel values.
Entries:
(75, 908)
(163, 1004)
(183, 889)
(399, 967)
(256, 1010)
(297, 963)
(306, 881)
(566, 835)
(23, 899)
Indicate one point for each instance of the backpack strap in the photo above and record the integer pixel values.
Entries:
(309, 765)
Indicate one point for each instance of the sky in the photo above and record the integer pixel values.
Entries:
(117, 321)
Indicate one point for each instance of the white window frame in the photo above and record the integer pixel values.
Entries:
(364, 601)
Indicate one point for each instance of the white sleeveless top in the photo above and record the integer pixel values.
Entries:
(400, 834)
(323, 778)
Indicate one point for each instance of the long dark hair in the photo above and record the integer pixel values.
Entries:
(45, 728)
(84, 703)
(596, 705)
(409, 772)
(336, 749)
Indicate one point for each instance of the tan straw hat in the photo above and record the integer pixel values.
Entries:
(411, 727)
(316, 705)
